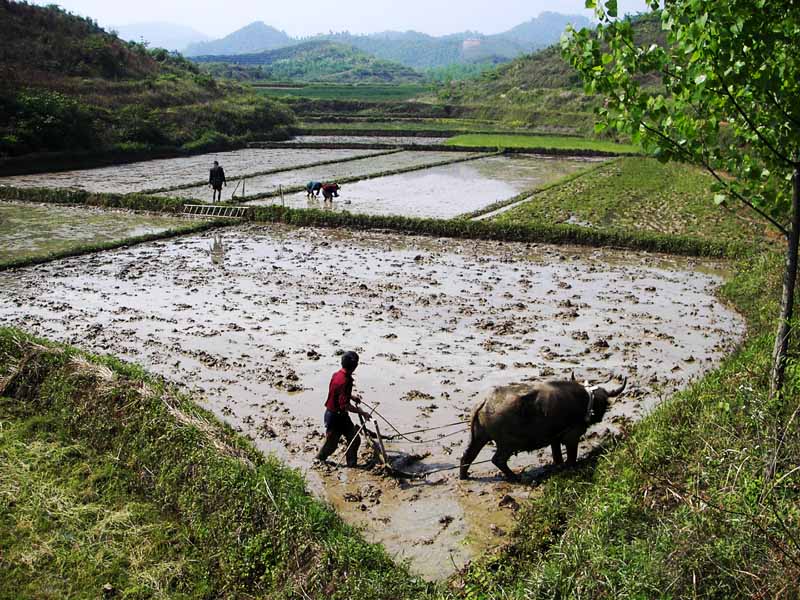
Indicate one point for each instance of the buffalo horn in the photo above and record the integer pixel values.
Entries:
(619, 390)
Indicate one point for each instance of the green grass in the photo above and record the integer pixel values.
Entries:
(73, 523)
(640, 194)
(363, 92)
(537, 141)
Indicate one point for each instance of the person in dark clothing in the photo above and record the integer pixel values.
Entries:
(216, 179)
(337, 406)
(313, 188)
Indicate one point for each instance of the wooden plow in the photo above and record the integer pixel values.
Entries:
(215, 211)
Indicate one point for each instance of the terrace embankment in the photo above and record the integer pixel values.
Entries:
(437, 321)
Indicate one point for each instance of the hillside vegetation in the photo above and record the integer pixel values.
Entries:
(320, 61)
(66, 84)
(410, 48)
(540, 89)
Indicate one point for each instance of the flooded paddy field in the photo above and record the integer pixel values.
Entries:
(437, 322)
(364, 139)
(355, 168)
(446, 191)
(169, 172)
(28, 230)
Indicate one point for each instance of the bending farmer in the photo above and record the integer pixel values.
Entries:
(339, 404)
(313, 188)
(216, 179)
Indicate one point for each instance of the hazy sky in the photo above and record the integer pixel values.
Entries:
(307, 17)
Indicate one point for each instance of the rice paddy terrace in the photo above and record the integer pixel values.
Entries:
(253, 317)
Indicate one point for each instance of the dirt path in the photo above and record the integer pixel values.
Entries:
(438, 322)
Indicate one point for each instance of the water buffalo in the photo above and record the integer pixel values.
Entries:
(523, 417)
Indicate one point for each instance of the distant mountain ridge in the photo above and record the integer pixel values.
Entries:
(320, 60)
(255, 37)
(410, 48)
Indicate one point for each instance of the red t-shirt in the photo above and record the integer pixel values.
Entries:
(339, 392)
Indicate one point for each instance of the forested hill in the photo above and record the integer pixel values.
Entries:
(321, 61)
(66, 84)
(409, 48)
(42, 45)
(545, 69)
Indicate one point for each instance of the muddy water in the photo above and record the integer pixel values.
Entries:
(163, 173)
(32, 229)
(437, 322)
(362, 139)
(355, 168)
(445, 191)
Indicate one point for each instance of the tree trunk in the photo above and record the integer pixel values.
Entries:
(780, 352)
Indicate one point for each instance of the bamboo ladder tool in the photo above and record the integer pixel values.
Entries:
(217, 211)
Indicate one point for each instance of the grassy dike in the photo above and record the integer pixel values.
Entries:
(114, 478)
(101, 200)
(517, 232)
(540, 141)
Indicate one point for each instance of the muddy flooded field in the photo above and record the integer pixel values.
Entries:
(169, 172)
(355, 168)
(259, 329)
(364, 139)
(38, 229)
(446, 191)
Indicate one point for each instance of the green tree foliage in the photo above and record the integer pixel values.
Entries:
(49, 119)
(726, 99)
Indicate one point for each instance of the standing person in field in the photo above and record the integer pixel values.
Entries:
(216, 179)
(337, 406)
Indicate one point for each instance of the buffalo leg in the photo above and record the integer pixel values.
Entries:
(556, 448)
(572, 452)
(476, 444)
(500, 460)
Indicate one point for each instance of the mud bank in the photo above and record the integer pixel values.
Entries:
(258, 330)
(168, 172)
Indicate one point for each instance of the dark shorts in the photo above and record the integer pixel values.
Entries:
(338, 423)
(217, 186)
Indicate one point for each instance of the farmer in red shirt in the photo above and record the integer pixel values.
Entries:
(339, 404)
